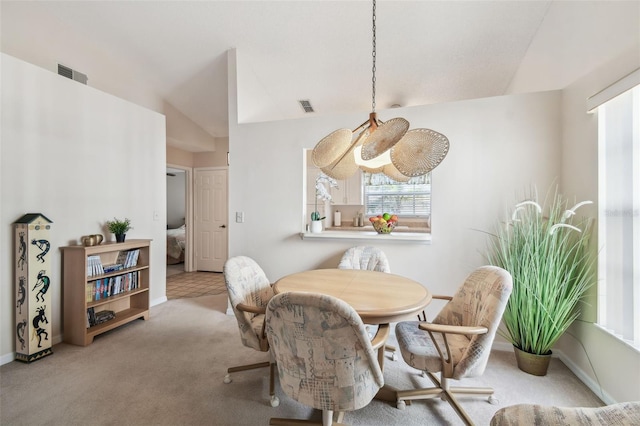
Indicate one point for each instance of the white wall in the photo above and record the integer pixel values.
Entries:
(499, 146)
(616, 365)
(80, 157)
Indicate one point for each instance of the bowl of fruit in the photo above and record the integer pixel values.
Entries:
(384, 223)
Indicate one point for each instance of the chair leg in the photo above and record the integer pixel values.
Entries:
(227, 377)
(273, 399)
(248, 367)
(458, 409)
(272, 394)
(393, 350)
(444, 391)
(327, 420)
(327, 417)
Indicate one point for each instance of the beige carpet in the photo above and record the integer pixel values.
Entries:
(169, 371)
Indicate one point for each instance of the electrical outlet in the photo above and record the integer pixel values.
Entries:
(240, 217)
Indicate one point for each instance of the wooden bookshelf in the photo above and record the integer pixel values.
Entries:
(128, 304)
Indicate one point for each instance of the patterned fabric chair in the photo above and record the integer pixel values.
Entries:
(372, 259)
(324, 356)
(621, 414)
(365, 257)
(249, 293)
(458, 341)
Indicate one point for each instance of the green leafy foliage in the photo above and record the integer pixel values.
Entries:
(117, 226)
(551, 266)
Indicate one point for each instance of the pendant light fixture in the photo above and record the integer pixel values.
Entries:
(377, 146)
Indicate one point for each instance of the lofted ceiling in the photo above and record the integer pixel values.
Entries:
(427, 51)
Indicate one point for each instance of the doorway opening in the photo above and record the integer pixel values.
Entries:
(179, 233)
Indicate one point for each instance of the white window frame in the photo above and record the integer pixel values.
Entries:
(366, 192)
(619, 216)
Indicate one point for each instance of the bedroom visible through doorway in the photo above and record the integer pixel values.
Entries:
(176, 220)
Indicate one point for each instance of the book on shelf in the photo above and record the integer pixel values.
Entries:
(103, 288)
(104, 316)
(128, 258)
(113, 268)
(95, 318)
(94, 266)
(91, 317)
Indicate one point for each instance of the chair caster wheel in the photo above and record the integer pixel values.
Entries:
(424, 374)
(493, 400)
(227, 379)
(401, 405)
(394, 356)
(275, 401)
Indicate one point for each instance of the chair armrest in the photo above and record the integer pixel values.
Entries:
(251, 309)
(381, 336)
(452, 329)
(441, 297)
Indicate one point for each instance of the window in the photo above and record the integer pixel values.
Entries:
(619, 216)
(406, 199)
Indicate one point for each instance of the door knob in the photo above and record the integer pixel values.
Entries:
(222, 226)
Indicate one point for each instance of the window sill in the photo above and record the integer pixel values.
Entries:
(406, 237)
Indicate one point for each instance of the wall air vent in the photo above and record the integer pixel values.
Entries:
(72, 74)
(306, 106)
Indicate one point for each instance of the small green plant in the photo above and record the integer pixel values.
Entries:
(551, 266)
(316, 216)
(119, 227)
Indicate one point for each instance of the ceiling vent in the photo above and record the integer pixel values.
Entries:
(306, 106)
(72, 74)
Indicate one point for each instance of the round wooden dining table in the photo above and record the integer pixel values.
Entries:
(378, 297)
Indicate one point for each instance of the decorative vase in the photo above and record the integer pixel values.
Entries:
(532, 363)
(120, 237)
(316, 226)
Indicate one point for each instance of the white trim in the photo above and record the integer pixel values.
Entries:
(158, 301)
(11, 356)
(627, 82)
(188, 215)
(416, 237)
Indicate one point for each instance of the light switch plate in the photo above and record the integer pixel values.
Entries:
(240, 217)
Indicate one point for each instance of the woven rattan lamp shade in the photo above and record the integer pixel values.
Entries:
(343, 167)
(384, 137)
(387, 147)
(331, 147)
(419, 152)
(391, 171)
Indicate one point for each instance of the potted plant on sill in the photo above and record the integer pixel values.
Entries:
(552, 267)
(323, 194)
(119, 228)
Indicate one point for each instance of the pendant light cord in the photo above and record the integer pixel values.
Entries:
(373, 69)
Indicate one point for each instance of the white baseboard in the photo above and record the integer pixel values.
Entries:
(10, 357)
(158, 301)
(7, 358)
(586, 379)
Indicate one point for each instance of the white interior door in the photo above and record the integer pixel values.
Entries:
(211, 229)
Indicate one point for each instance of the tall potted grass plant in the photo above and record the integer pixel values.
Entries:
(546, 250)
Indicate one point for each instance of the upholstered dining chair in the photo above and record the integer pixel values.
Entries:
(370, 258)
(249, 292)
(365, 257)
(457, 343)
(324, 356)
(621, 414)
